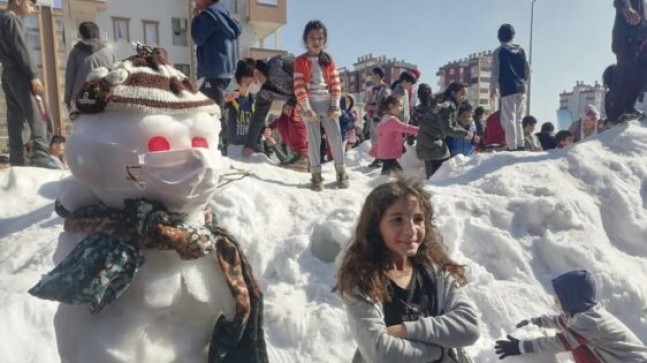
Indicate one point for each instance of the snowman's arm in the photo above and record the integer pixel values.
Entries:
(73, 195)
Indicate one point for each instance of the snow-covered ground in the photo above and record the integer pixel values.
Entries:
(516, 219)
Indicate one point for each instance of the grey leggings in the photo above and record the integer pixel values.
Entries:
(333, 134)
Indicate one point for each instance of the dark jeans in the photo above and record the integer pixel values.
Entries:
(629, 79)
(431, 166)
(214, 88)
(22, 109)
(390, 165)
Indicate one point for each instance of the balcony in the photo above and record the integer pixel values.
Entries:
(266, 16)
(263, 53)
(85, 9)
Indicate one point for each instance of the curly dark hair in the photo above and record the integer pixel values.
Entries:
(363, 272)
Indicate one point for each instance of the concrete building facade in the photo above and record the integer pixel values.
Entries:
(476, 72)
(357, 80)
(573, 103)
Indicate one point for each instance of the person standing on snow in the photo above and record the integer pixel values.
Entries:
(510, 73)
(21, 84)
(214, 30)
(587, 329)
(629, 43)
(89, 53)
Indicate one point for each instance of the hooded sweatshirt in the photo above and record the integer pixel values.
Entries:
(510, 70)
(214, 32)
(588, 330)
(83, 58)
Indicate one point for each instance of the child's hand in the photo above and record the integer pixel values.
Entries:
(334, 112)
(507, 348)
(309, 116)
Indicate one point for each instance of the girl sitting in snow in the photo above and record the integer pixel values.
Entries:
(588, 330)
(388, 146)
(399, 285)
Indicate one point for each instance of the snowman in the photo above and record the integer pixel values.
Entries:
(143, 272)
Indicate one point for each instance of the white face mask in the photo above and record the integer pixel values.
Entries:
(254, 87)
(180, 177)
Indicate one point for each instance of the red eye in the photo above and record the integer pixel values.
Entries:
(200, 142)
(158, 143)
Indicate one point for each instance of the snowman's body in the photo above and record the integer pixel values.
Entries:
(169, 311)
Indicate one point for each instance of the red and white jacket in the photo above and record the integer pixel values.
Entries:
(303, 76)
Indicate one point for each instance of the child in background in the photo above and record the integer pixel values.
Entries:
(399, 285)
(239, 106)
(403, 88)
(460, 145)
(293, 134)
(388, 147)
(378, 92)
(587, 329)
(546, 137)
(563, 139)
(318, 91)
(348, 122)
(57, 151)
(531, 142)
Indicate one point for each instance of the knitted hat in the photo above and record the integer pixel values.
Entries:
(591, 110)
(144, 83)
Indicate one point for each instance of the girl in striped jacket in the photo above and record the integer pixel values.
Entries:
(318, 92)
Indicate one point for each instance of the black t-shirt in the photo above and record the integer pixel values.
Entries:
(408, 304)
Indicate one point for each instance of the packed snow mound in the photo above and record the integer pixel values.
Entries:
(517, 220)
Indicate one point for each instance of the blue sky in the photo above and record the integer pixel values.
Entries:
(572, 38)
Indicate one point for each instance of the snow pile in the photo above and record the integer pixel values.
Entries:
(516, 219)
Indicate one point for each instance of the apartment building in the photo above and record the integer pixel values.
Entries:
(357, 80)
(476, 72)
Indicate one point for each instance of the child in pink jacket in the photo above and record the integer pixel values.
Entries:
(388, 146)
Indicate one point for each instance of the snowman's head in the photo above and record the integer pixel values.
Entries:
(143, 130)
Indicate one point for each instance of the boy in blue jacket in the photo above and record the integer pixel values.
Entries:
(459, 145)
(214, 31)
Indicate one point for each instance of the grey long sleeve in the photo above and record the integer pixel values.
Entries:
(13, 47)
(457, 327)
(495, 70)
(376, 345)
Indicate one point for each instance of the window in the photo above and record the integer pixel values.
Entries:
(180, 35)
(121, 27)
(184, 68)
(151, 32)
(269, 2)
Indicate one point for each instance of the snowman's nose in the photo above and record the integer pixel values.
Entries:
(158, 143)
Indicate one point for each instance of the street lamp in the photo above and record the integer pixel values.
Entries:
(532, 20)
